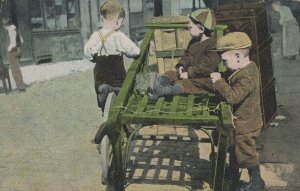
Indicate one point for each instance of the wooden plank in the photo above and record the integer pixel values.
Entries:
(165, 26)
(168, 64)
(190, 105)
(130, 103)
(158, 106)
(168, 39)
(168, 20)
(183, 38)
(174, 119)
(204, 110)
(158, 40)
(161, 66)
(170, 53)
(142, 105)
(159, 47)
(175, 103)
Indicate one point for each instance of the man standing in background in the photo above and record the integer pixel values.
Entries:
(13, 43)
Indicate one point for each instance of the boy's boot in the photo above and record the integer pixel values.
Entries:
(159, 90)
(164, 80)
(103, 91)
(256, 182)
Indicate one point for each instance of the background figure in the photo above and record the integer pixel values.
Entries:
(13, 43)
(290, 31)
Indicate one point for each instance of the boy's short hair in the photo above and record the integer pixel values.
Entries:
(112, 9)
(207, 32)
(6, 21)
(276, 2)
(245, 52)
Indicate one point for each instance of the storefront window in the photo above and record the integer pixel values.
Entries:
(72, 14)
(37, 21)
(54, 15)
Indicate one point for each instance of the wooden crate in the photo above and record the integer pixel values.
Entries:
(252, 19)
(169, 42)
(171, 38)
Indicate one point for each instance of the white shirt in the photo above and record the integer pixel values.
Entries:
(116, 44)
(12, 34)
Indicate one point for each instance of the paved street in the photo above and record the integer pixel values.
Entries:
(46, 133)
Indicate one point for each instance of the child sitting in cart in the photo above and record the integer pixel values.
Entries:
(242, 91)
(106, 48)
(193, 70)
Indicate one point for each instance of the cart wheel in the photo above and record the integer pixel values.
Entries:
(106, 159)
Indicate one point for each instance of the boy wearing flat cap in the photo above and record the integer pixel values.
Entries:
(198, 62)
(106, 47)
(241, 90)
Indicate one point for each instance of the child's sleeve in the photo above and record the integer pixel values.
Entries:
(204, 66)
(91, 46)
(126, 46)
(237, 92)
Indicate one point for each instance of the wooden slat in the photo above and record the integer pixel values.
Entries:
(169, 53)
(183, 38)
(158, 40)
(190, 105)
(175, 103)
(130, 102)
(168, 39)
(158, 106)
(170, 119)
(170, 63)
(159, 47)
(168, 20)
(142, 105)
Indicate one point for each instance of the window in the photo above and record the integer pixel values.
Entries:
(54, 15)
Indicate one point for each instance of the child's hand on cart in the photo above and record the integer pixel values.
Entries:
(183, 74)
(215, 76)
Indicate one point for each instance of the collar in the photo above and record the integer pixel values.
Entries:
(237, 71)
(11, 27)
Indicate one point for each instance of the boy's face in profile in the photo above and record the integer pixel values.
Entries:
(230, 59)
(195, 30)
(119, 23)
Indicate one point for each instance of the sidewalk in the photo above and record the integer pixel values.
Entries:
(48, 71)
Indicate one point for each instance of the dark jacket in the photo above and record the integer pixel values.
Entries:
(199, 61)
(243, 93)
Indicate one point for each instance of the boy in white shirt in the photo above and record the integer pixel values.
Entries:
(106, 48)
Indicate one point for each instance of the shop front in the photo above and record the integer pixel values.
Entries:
(51, 29)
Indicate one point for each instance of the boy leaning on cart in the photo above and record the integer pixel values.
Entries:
(241, 90)
(106, 48)
(194, 68)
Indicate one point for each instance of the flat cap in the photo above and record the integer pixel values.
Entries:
(234, 41)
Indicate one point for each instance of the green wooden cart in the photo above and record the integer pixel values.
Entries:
(203, 112)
